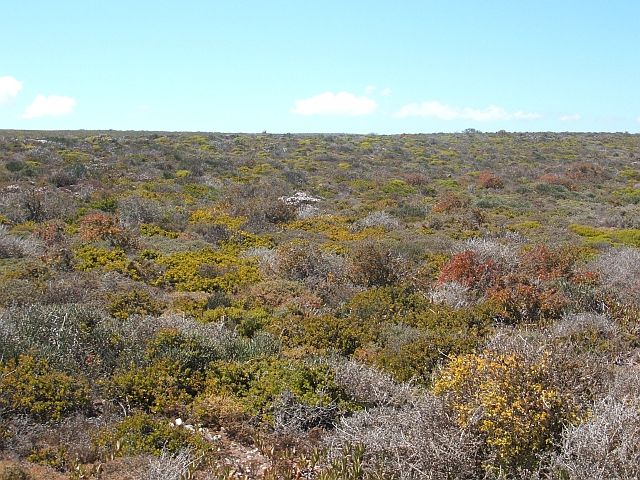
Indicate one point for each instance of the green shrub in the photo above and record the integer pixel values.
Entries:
(30, 386)
(158, 387)
(137, 302)
(143, 434)
(70, 337)
(258, 384)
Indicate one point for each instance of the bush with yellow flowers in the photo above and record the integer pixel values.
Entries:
(89, 258)
(511, 401)
(207, 270)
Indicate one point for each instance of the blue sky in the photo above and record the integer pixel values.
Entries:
(330, 66)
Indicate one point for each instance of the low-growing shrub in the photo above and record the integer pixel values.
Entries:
(142, 433)
(512, 402)
(30, 386)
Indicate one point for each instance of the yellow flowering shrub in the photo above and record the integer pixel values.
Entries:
(336, 229)
(89, 258)
(153, 230)
(511, 401)
(212, 216)
(207, 270)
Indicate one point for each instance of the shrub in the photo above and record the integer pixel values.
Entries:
(469, 270)
(258, 385)
(377, 219)
(326, 333)
(510, 401)
(12, 246)
(488, 180)
(68, 337)
(605, 445)
(618, 271)
(100, 226)
(300, 260)
(185, 271)
(450, 202)
(137, 302)
(278, 211)
(14, 472)
(375, 265)
(30, 386)
(141, 433)
(88, 258)
(523, 299)
(157, 388)
(413, 441)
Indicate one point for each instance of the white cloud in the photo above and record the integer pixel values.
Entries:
(443, 111)
(638, 119)
(343, 103)
(370, 89)
(386, 91)
(9, 88)
(52, 105)
(570, 118)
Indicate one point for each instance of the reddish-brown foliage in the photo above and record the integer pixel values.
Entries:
(544, 263)
(417, 179)
(487, 179)
(525, 300)
(100, 226)
(553, 179)
(468, 270)
(450, 202)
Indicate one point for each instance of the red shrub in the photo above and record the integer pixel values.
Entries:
(468, 270)
(450, 202)
(488, 180)
(100, 226)
(522, 299)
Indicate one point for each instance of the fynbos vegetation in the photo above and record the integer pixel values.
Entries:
(213, 306)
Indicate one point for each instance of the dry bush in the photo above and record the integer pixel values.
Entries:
(370, 387)
(16, 247)
(576, 368)
(67, 336)
(619, 272)
(168, 466)
(451, 202)
(292, 416)
(377, 219)
(306, 262)
(488, 180)
(134, 210)
(414, 441)
(278, 293)
(504, 252)
(37, 205)
(574, 324)
(553, 179)
(375, 265)
(452, 294)
(606, 445)
(267, 258)
(626, 384)
(71, 440)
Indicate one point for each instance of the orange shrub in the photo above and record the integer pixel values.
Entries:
(525, 300)
(101, 226)
(488, 180)
(468, 269)
(450, 202)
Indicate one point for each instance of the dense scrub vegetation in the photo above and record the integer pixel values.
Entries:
(319, 306)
